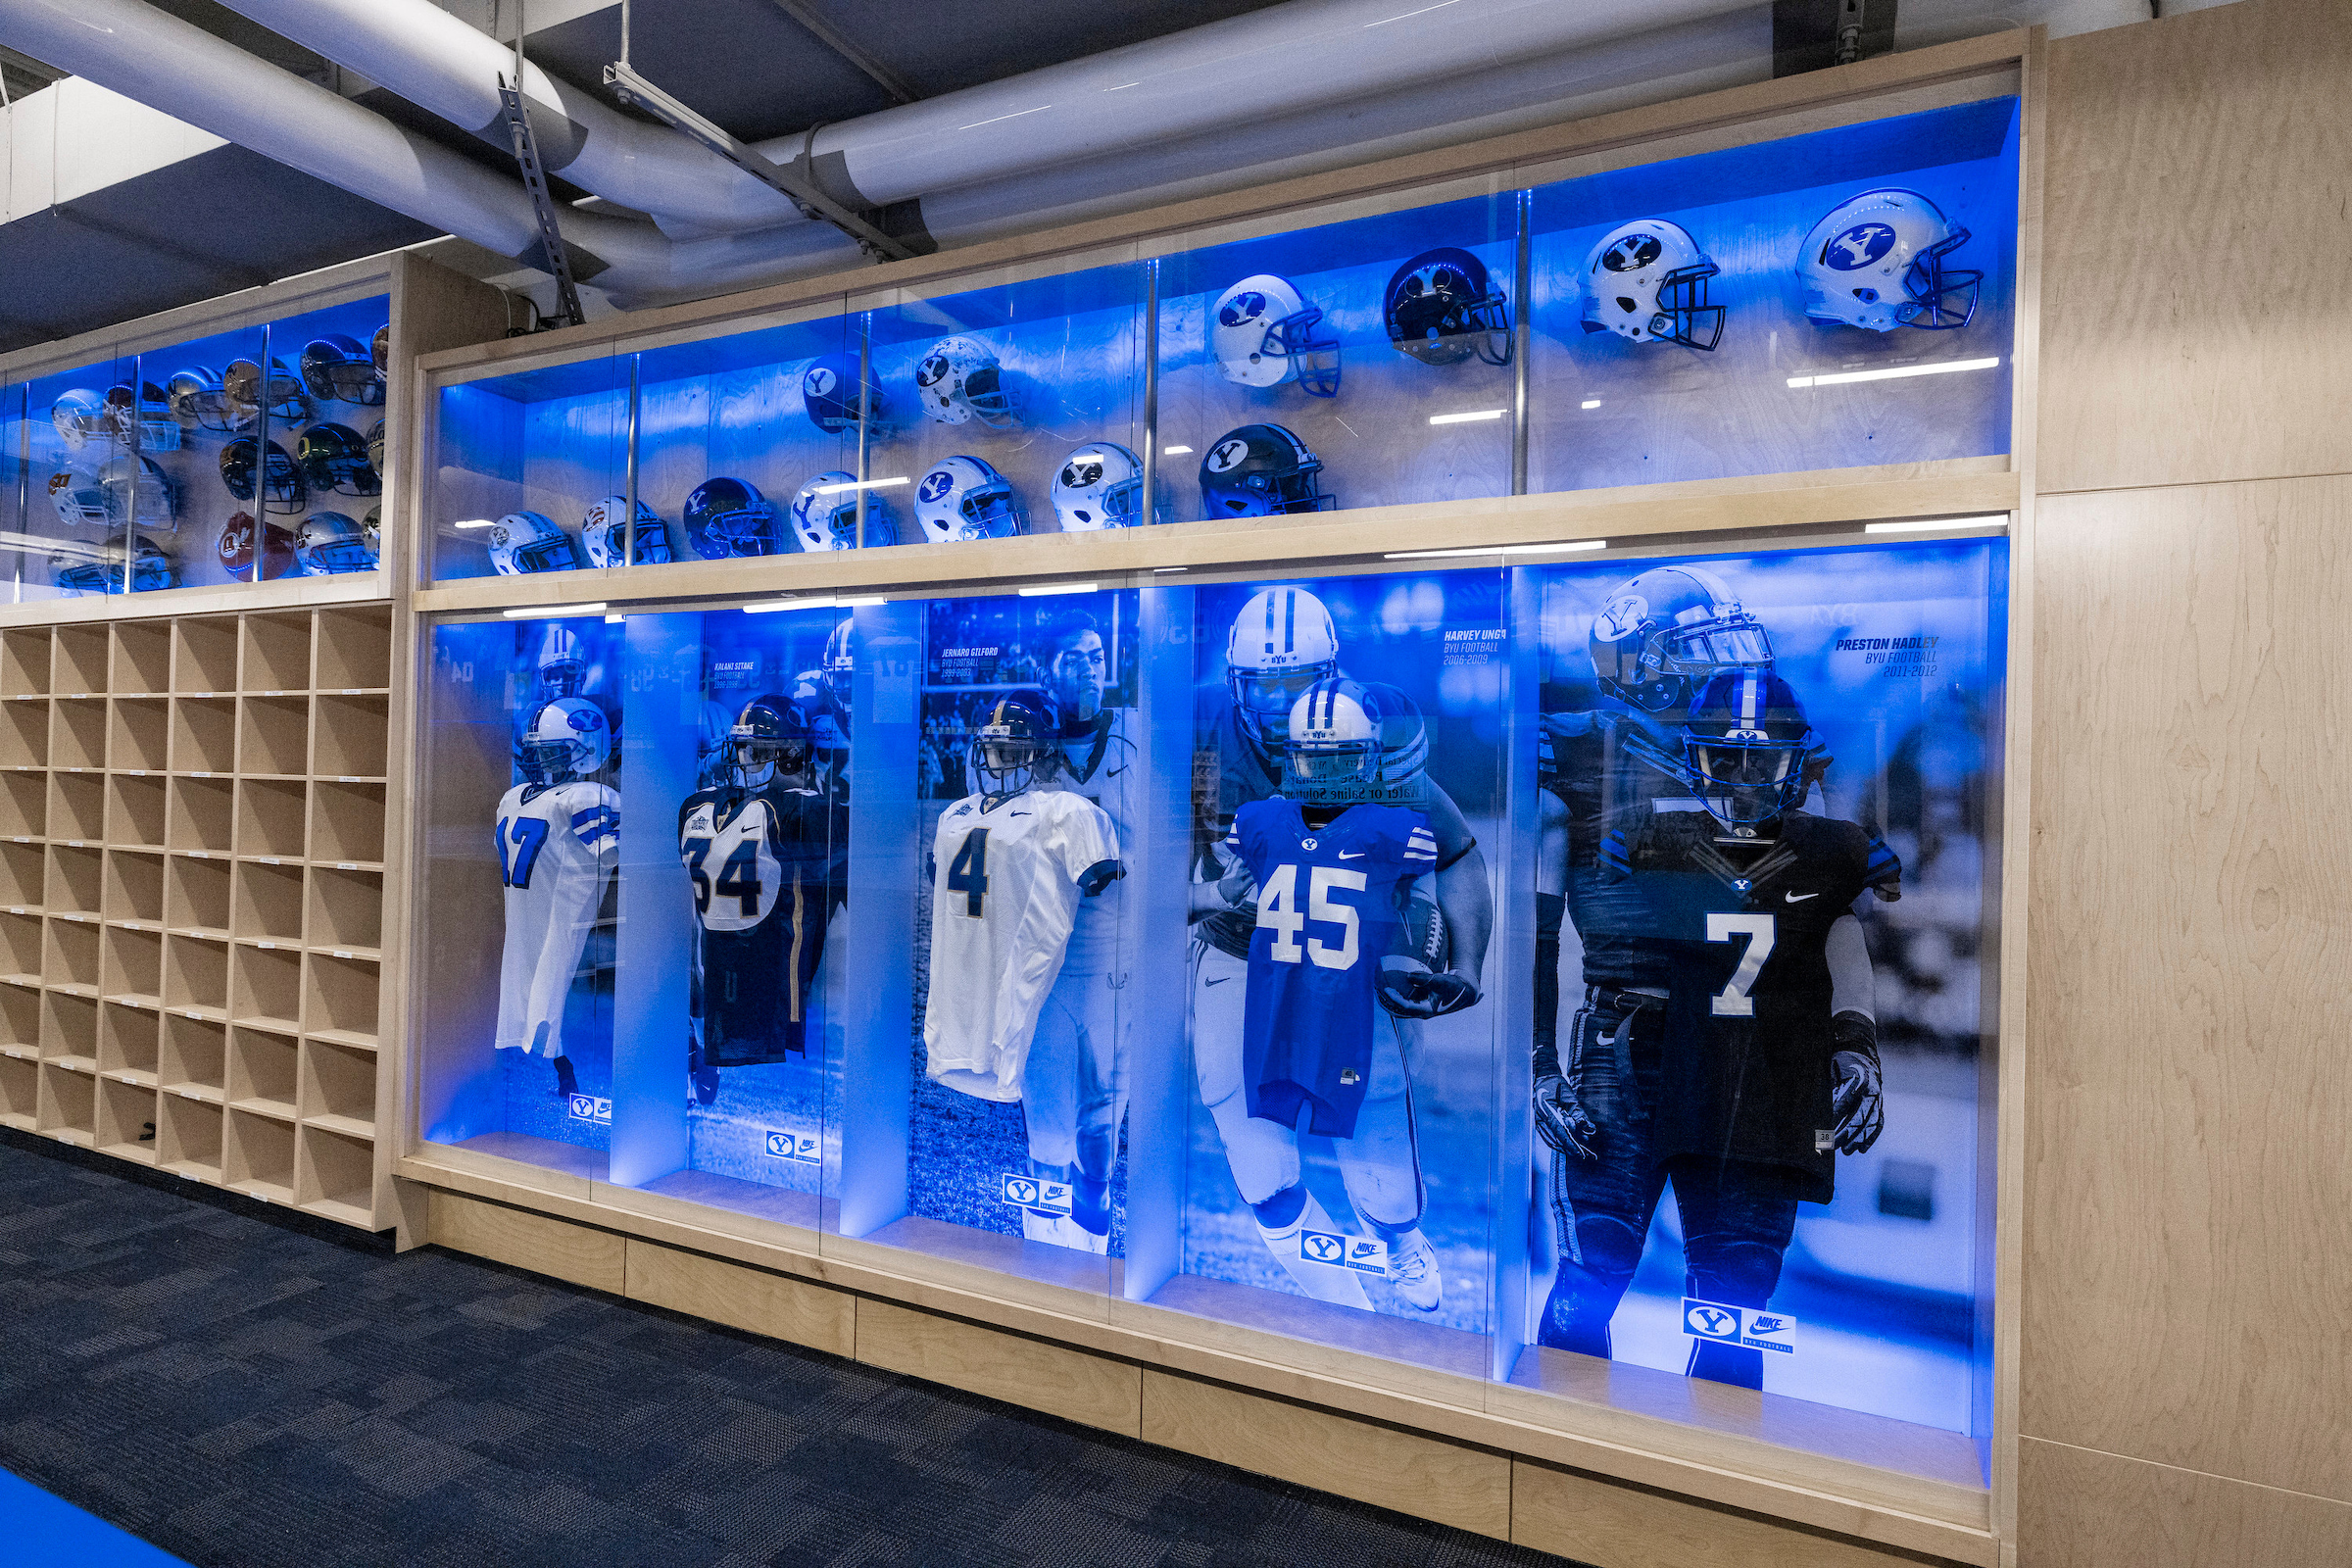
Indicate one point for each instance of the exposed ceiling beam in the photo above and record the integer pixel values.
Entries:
(889, 82)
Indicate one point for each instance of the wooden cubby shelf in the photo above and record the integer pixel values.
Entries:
(165, 940)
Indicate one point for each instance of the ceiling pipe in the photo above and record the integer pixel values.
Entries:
(184, 72)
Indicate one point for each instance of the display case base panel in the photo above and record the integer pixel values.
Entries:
(544, 1153)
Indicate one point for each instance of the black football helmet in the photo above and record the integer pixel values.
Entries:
(281, 485)
(768, 736)
(335, 460)
(1748, 750)
(1259, 470)
(336, 366)
(1441, 308)
(1019, 744)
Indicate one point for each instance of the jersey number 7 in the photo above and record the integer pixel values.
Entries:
(1278, 911)
(967, 873)
(519, 841)
(1733, 1000)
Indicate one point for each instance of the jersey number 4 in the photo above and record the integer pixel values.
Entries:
(1733, 1000)
(1278, 911)
(967, 873)
(738, 878)
(519, 841)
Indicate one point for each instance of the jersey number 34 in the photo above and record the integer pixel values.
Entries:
(1278, 911)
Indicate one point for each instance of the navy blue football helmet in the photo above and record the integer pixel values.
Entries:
(1748, 750)
(770, 735)
(1259, 470)
(1019, 744)
(334, 459)
(839, 397)
(1440, 309)
(727, 518)
(1669, 629)
(279, 478)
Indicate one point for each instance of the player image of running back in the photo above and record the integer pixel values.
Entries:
(1280, 646)
(1730, 1046)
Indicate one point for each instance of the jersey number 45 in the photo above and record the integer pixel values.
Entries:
(1278, 911)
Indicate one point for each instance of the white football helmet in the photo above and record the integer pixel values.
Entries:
(81, 568)
(136, 491)
(604, 532)
(1876, 261)
(80, 497)
(960, 379)
(964, 498)
(1647, 280)
(1101, 485)
(327, 542)
(565, 739)
(828, 521)
(524, 542)
(1281, 644)
(79, 416)
(1262, 332)
(141, 419)
(562, 663)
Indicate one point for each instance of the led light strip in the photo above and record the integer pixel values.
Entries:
(1893, 372)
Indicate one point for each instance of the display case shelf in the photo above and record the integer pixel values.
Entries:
(68, 1102)
(338, 1087)
(337, 1172)
(20, 1093)
(204, 735)
(270, 818)
(346, 911)
(196, 895)
(134, 966)
(204, 656)
(352, 649)
(130, 1042)
(342, 997)
(25, 662)
(136, 809)
(24, 806)
(277, 655)
(78, 660)
(126, 1120)
(22, 876)
(69, 1028)
(203, 816)
(262, 1071)
(73, 954)
(273, 736)
(21, 1015)
(21, 952)
(141, 735)
(266, 987)
(78, 733)
(134, 888)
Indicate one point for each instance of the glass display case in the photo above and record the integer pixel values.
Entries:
(1839, 299)
(190, 466)
(1537, 975)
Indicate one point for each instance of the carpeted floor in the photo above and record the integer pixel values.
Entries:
(247, 1390)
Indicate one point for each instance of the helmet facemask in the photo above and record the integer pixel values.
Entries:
(551, 761)
(1745, 779)
(756, 760)
(1317, 360)
(1683, 312)
(1262, 699)
(1932, 288)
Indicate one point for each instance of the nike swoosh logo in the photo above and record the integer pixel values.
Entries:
(1357, 856)
(1218, 981)
(1799, 897)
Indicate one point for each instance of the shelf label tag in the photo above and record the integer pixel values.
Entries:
(346, 865)
(340, 952)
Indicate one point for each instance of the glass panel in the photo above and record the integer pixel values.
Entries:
(81, 485)
(1360, 364)
(749, 445)
(520, 461)
(1770, 790)
(1016, 408)
(328, 417)
(1764, 309)
(523, 827)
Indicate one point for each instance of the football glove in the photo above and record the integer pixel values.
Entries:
(1426, 993)
(1858, 1100)
(1562, 1122)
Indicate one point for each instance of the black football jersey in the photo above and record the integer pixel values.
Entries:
(1743, 929)
(1607, 787)
(759, 860)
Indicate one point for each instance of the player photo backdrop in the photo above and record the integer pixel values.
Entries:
(1346, 783)
(1020, 1108)
(1762, 970)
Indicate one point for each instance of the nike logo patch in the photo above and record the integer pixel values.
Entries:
(1799, 897)
(1356, 855)
(1218, 981)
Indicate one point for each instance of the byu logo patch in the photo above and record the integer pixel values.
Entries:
(784, 1143)
(933, 369)
(1227, 456)
(1079, 472)
(937, 483)
(1322, 1247)
(1707, 1321)
(592, 1108)
(1752, 1327)
(1859, 246)
(1242, 308)
(1632, 253)
(820, 382)
(1034, 1193)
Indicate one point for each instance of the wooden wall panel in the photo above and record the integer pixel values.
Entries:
(1097, 1391)
(2143, 1516)
(741, 1296)
(2195, 321)
(1610, 1525)
(2189, 1253)
(1427, 1477)
(517, 1236)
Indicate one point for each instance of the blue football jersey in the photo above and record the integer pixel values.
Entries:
(1328, 900)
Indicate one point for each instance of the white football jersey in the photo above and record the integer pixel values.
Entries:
(1005, 895)
(1115, 781)
(556, 845)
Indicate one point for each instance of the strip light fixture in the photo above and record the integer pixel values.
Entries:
(1560, 547)
(811, 602)
(1044, 590)
(1994, 519)
(555, 611)
(1893, 372)
(1474, 416)
(857, 484)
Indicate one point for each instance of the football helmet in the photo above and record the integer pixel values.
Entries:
(562, 663)
(1747, 752)
(99, 568)
(336, 366)
(1668, 628)
(141, 420)
(1258, 471)
(1647, 280)
(1332, 753)
(334, 459)
(247, 391)
(964, 498)
(379, 349)
(1019, 744)
(372, 531)
(1101, 485)
(236, 548)
(136, 491)
(960, 379)
(727, 518)
(80, 497)
(837, 396)
(281, 485)
(605, 533)
(1876, 261)
(1263, 333)
(524, 542)
(841, 658)
(769, 736)
(1281, 644)
(376, 447)
(79, 415)
(828, 521)
(329, 543)
(566, 737)
(197, 400)
(1440, 309)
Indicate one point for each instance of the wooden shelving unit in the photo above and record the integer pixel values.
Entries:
(192, 896)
